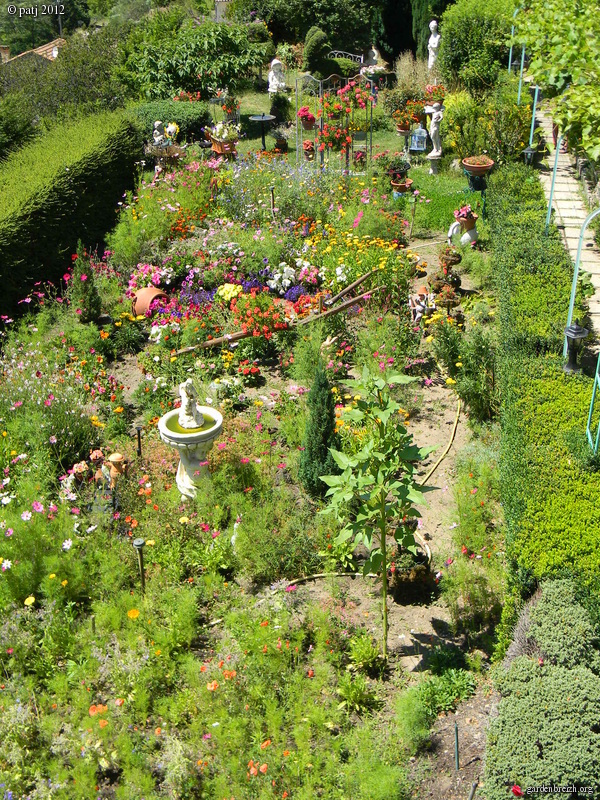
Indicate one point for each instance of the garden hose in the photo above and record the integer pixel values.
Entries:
(447, 448)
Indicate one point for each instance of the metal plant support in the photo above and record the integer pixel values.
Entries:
(549, 212)
(594, 441)
(588, 219)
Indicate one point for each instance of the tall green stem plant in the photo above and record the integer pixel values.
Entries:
(376, 492)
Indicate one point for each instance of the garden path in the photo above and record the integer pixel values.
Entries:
(570, 213)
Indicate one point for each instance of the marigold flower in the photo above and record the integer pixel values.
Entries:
(133, 613)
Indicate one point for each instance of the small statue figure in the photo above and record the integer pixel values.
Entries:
(276, 77)
(172, 131)
(189, 414)
(433, 45)
(158, 133)
(434, 130)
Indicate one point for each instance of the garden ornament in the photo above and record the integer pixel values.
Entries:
(276, 77)
(433, 44)
(189, 413)
(158, 134)
(434, 130)
(468, 237)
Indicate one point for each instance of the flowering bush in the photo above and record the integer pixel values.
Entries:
(333, 137)
(226, 132)
(257, 313)
(283, 277)
(434, 94)
(353, 95)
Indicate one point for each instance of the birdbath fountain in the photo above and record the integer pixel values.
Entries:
(191, 429)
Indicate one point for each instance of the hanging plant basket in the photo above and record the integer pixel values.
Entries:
(477, 165)
(308, 125)
(403, 128)
(469, 223)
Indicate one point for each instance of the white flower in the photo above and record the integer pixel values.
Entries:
(91, 528)
(67, 544)
(6, 564)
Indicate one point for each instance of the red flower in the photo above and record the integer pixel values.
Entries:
(517, 791)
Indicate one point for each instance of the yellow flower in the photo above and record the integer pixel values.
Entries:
(151, 542)
(450, 381)
(458, 364)
(183, 520)
(52, 575)
(429, 339)
(133, 613)
(29, 601)
(173, 358)
(118, 324)
(64, 583)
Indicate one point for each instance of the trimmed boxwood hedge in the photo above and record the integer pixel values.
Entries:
(546, 731)
(63, 187)
(191, 117)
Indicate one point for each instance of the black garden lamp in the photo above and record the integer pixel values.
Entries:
(529, 155)
(138, 429)
(574, 334)
(139, 547)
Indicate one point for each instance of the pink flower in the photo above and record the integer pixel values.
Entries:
(37, 506)
(244, 460)
(84, 277)
(221, 445)
(26, 516)
(281, 466)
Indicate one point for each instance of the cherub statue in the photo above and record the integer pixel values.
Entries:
(158, 133)
(276, 77)
(433, 45)
(189, 414)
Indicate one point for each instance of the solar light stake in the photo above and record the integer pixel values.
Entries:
(93, 624)
(139, 440)
(139, 546)
(456, 745)
(473, 790)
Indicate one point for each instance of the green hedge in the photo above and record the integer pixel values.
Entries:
(63, 187)
(191, 117)
(546, 731)
(551, 501)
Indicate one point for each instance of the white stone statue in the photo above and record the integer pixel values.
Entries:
(189, 414)
(276, 77)
(158, 133)
(434, 130)
(433, 45)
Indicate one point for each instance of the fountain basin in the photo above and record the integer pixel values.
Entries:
(193, 446)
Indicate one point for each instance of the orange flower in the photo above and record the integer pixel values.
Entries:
(264, 623)
(119, 701)
(213, 686)
(286, 753)
(158, 731)
(103, 723)
(203, 668)
(265, 744)
(133, 613)
(93, 710)
(221, 664)
(263, 768)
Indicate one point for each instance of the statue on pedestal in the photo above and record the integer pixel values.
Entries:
(433, 45)
(434, 130)
(190, 415)
(276, 77)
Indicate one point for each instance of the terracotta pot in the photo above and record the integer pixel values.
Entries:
(282, 145)
(402, 185)
(477, 169)
(402, 128)
(118, 467)
(143, 297)
(450, 260)
(468, 224)
(307, 125)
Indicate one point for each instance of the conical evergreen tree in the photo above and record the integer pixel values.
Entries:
(320, 435)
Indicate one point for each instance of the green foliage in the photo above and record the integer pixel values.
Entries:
(83, 293)
(364, 655)
(191, 117)
(563, 629)
(316, 47)
(319, 437)
(355, 693)
(376, 489)
(442, 693)
(16, 124)
(547, 722)
(165, 55)
(476, 382)
(496, 125)
(473, 45)
(61, 188)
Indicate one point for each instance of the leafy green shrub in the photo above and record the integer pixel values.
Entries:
(316, 47)
(364, 654)
(319, 437)
(441, 658)
(16, 124)
(166, 54)
(356, 695)
(411, 721)
(476, 382)
(442, 693)
(473, 44)
(563, 628)
(61, 188)
(191, 117)
(546, 730)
